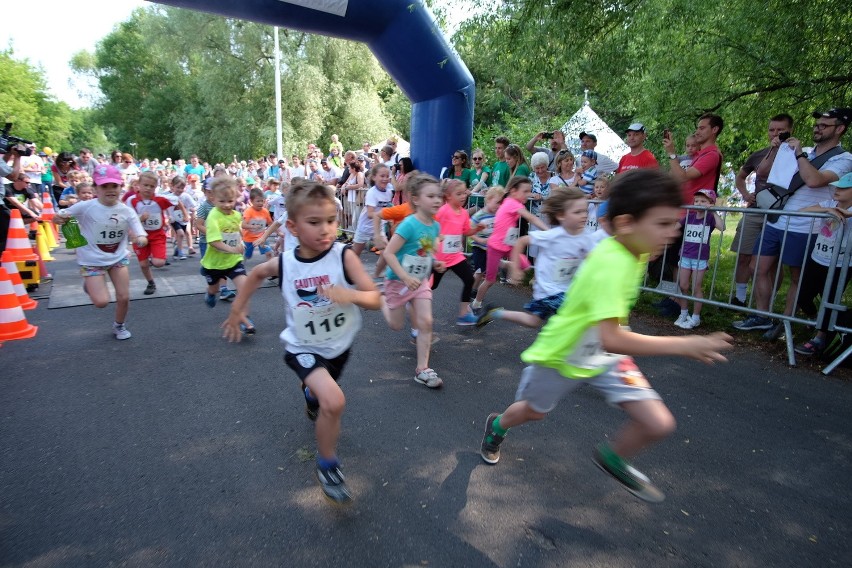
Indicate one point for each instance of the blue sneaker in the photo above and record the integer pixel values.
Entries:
(248, 329)
(753, 322)
(210, 300)
(227, 295)
(467, 319)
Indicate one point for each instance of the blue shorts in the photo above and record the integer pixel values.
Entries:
(545, 307)
(693, 263)
(250, 249)
(796, 247)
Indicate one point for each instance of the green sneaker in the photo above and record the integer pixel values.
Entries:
(490, 448)
(631, 478)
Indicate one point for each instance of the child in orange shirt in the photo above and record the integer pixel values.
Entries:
(256, 219)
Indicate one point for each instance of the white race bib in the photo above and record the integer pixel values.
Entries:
(108, 237)
(177, 215)
(696, 234)
(588, 353)
(417, 266)
(231, 239)
(153, 222)
(564, 270)
(452, 244)
(512, 236)
(826, 240)
(315, 325)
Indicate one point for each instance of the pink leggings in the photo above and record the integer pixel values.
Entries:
(492, 263)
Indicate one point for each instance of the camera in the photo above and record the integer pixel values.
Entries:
(547, 135)
(8, 142)
(783, 136)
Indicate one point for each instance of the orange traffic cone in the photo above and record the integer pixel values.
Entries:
(41, 244)
(18, 245)
(48, 235)
(13, 324)
(24, 300)
(47, 210)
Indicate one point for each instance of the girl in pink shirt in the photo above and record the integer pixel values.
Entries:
(455, 227)
(507, 231)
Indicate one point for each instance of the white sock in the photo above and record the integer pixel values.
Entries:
(475, 305)
(742, 292)
(684, 313)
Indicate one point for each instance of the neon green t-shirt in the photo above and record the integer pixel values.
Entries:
(570, 341)
(225, 228)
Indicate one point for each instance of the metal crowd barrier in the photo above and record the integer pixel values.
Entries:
(721, 296)
(836, 306)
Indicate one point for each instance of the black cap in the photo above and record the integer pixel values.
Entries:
(588, 135)
(844, 115)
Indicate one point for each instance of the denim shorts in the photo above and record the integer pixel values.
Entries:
(693, 264)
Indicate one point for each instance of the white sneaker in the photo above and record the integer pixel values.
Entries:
(684, 321)
(695, 321)
(120, 331)
(429, 378)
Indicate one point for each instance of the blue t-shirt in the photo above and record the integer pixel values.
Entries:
(415, 255)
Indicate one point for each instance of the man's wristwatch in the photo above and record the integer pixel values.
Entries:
(801, 155)
(672, 156)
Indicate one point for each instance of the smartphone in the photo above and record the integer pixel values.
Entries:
(667, 133)
(547, 135)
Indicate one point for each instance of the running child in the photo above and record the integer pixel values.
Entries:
(585, 343)
(201, 214)
(151, 209)
(324, 285)
(695, 255)
(181, 224)
(224, 255)
(106, 223)
(561, 251)
(255, 221)
(484, 217)
(455, 228)
(409, 255)
(379, 196)
(506, 232)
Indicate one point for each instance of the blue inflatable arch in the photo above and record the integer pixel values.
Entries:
(404, 37)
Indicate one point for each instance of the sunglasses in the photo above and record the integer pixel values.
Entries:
(457, 157)
(477, 159)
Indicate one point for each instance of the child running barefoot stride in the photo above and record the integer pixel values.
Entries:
(506, 232)
(455, 228)
(561, 250)
(409, 255)
(323, 284)
(106, 223)
(224, 255)
(585, 343)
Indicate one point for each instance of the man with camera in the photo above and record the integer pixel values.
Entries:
(707, 163)
(557, 142)
(750, 226)
(789, 238)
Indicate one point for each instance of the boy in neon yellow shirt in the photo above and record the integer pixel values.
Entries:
(586, 343)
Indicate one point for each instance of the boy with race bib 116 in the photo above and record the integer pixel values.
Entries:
(323, 284)
(585, 343)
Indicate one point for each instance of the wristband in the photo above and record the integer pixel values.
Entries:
(802, 155)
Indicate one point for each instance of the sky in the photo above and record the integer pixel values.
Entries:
(50, 35)
(59, 29)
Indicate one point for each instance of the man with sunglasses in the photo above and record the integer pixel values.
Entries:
(792, 248)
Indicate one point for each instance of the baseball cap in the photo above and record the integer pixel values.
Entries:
(844, 115)
(591, 154)
(192, 177)
(323, 161)
(250, 181)
(107, 174)
(636, 127)
(708, 193)
(844, 182)
(588, 135)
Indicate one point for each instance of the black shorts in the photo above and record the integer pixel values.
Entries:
(213, 275)
(305, 363)
(478, 257)
(178, 226)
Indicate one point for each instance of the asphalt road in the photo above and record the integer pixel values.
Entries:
(175, 448)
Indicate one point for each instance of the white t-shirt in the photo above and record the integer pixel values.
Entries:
(560, 254)
(33, 166)
(805, 196)
(379, 200)
(106, 230)
(175, 216)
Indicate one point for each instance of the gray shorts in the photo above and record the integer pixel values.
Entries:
(748, 233)
(542, 387)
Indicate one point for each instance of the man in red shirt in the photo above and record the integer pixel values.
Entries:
(639, 156)
(705, 168)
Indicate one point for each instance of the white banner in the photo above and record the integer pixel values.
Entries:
(336, 7)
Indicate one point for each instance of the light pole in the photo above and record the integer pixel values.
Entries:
(133, 152)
